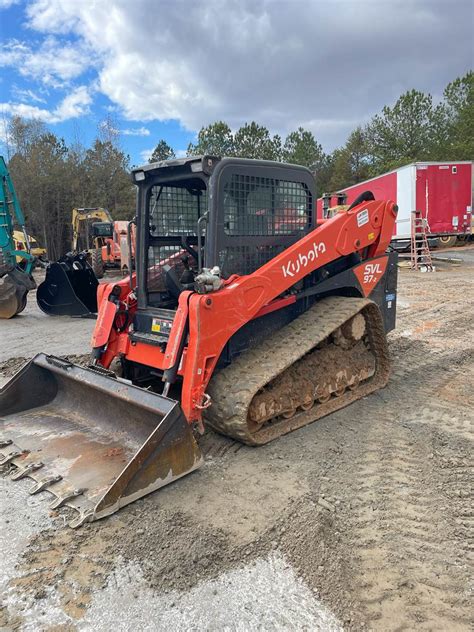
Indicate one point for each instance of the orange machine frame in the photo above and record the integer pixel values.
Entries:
(213, 318)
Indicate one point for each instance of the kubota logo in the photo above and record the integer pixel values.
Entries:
(302, 260)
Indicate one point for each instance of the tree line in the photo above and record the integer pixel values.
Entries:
(413, 129)
(51, 177)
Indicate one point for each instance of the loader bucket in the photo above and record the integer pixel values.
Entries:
(95, 442)
(69, 289)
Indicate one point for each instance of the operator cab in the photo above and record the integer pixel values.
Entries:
(201, 212)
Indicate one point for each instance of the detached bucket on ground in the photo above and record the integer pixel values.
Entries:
(95, 442)
(69, 288)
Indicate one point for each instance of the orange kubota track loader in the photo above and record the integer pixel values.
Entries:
(243, 314)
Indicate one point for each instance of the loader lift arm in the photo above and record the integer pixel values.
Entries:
(243, 298)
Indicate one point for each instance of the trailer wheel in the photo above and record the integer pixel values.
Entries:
(97, 263)
(448, 241)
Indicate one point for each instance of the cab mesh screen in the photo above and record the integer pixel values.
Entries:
(279, 211)
(245, 259)
(173, 212)
(265, 206)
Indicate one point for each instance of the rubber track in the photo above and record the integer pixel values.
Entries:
(233, 388)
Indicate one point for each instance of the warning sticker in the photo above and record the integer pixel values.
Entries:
(363, 217)
(160, 326)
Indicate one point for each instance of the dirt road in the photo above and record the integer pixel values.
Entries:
(33, 332)
(359, 521)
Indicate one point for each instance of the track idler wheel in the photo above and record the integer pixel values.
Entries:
(338, 354)
(353, 386)
(307, 404)
(340, 391)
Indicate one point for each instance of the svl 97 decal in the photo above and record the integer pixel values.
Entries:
(370, 273)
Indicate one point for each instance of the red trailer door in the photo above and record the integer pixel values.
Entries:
(421, 189)
(443, 193)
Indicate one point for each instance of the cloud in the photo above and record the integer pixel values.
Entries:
(6, 4)
(24, 94)
(4, 136)
(54, 62)
(282, 63)
(145, 155)
(74, 105)
(138, 131)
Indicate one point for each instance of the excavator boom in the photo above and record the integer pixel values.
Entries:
(16, 266)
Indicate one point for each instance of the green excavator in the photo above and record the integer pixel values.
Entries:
(16, 266)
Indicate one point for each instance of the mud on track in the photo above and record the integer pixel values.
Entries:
(370, 507)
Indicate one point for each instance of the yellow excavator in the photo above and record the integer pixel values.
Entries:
(330, 209)
(87, 224)
(21, 244)
(70, 285)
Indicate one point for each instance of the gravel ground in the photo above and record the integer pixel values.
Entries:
(361, 520)
(265, 594)
(32, 332)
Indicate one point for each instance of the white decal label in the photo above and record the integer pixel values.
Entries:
(371, 272)
(363, 217)
(303, 260)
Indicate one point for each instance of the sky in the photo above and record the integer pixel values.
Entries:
(165, 68)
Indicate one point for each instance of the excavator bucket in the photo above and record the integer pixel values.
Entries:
(70, 287)
(11, 297)
(95, 442)
(14, 287)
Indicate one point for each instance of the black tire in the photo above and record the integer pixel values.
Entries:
(447, 241)
(97, 263)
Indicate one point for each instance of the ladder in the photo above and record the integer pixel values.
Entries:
(420, 251)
